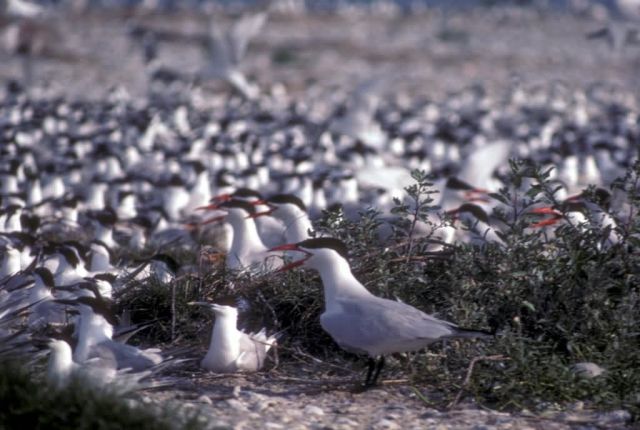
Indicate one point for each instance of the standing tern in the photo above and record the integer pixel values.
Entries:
(360, 322)
(247, 248)
(289, 209)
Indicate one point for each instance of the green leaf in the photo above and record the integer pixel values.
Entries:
(499, 197)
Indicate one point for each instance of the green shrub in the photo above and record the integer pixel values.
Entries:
(28, 403)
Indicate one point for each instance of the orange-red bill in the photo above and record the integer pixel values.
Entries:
(545, 222)
(291, 247)
(287, 247)
(259, 214)
(210, 207)
(546, 210)
(221, 198)
(213, 219)
(291, 265)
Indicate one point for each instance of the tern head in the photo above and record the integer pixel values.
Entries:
(45, 276)
(236, 211)
(218, 310)
(317, 252)
(557, 214)
(246, 194)
(59, 346)
(475, 211)
(93, 305)
(281, 204)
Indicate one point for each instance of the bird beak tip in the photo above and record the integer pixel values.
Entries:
(285, 247)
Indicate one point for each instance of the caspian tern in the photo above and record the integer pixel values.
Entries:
(292, 212)
(95, 333)
(360, 322)
(247, 249)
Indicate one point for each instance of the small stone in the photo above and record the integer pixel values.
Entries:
(344, 423)
(273, 426)
(385, 424)
(236, 405)
(236, 391)
(430, 412)
(587, 370)
(577, 406)
(255, 397)
(131, 403)
(313, 410)
(616, 417)
(260, 406)
(204, 399)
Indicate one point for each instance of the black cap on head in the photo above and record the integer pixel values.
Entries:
(169, 261)
(100, 306)
(474, 210)
(280, 199)
(246, 193)
(238, 204)
(46, 276)
(326, 242)
(70, 255)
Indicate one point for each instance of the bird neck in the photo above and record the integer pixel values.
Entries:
(297, 225)
(104, 233)
(225, 338)
(299, 229)
(10, 263)
(245, 237)
(93, 330)
(99, 261)
(202, 183)
(40, 290)
(59, 366)
(338, 280)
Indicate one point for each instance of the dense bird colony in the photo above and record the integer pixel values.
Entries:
(99, 198)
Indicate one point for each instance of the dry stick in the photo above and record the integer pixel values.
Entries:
(467, 378)
(299, 352)
(173, 310)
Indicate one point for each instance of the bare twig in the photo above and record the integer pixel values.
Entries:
(173, 310)
(467, 379)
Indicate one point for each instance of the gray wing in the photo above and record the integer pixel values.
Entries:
(219, 48)
(480, 164)
(241, 33)
(381, 326)
(253, 352)
(126, 356)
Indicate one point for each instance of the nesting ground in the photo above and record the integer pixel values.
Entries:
(486, 47)
(474, 46)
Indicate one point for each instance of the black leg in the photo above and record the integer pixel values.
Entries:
(371, 364)
(379, 367)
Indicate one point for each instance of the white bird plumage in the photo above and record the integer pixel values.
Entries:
(232, 350)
